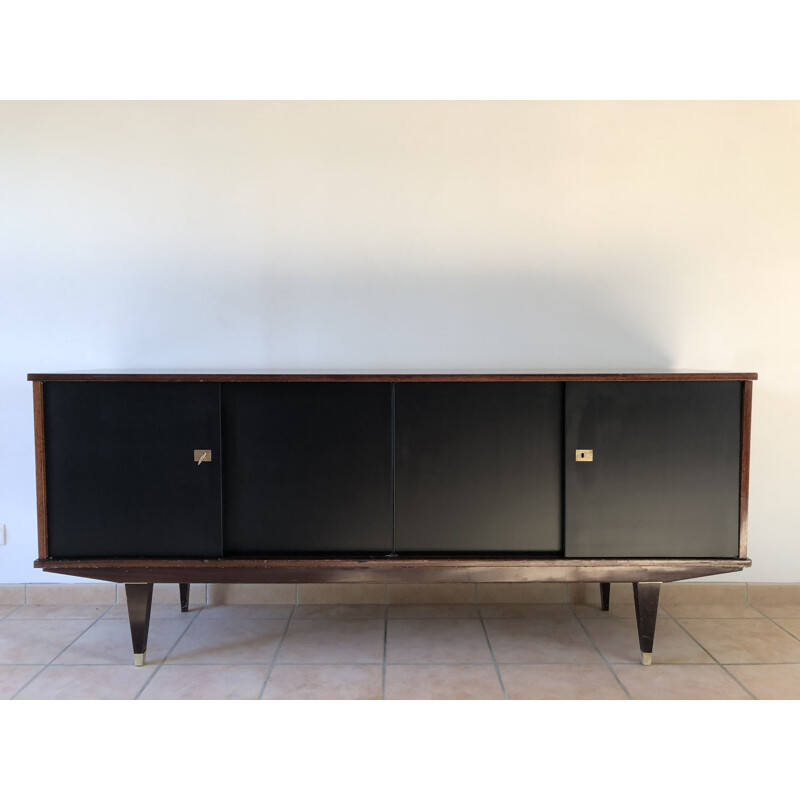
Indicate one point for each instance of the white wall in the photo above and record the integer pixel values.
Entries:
(404, 236)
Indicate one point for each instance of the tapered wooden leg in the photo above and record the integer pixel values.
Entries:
(184, 589)
(605, 595)
(645, 598)
(140, 600)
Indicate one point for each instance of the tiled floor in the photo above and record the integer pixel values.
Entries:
(486, 651)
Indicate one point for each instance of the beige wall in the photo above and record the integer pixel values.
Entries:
(393, 235)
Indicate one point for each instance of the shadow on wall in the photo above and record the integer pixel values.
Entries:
(492, 319)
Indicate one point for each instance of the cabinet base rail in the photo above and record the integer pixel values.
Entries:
(139, 576)
(394, 570)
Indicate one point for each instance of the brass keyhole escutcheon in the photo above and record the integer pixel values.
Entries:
(584, 455)
(202, 455)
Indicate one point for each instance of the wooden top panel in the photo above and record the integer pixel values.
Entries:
(288, 377)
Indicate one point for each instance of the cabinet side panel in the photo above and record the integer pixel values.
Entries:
(121, 477)
(478, 467)
(665, 476)
(308, 468)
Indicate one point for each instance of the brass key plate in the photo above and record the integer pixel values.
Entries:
(202, 455)
(584, 455)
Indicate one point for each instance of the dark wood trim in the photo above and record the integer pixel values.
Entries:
(744, 481)
(41, 475)
(336, 570)
(266, 377)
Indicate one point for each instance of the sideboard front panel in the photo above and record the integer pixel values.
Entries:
(121, 475)
(478, 467)
(308, 468)
(664, 476)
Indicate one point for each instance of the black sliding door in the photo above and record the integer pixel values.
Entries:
(308, 468)
(478, 467)
(663, 479)
(122, 479)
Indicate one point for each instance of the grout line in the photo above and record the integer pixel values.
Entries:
(385, 645)
(276, 653)
(491, 653)
(164, 660)
(776, 621)
(602, 654)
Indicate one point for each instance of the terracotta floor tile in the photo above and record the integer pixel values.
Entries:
(229, 641)
(341, 593)
(615, 609)
(774, 593)
(711, 611)
(533, 592)
(540, 641)
(77, 611)
(157, 611)
(87, 683)
(340, 611)
(679, 682)
(770, 681)
(744, 641)
(537, 610)
(65, 593)
(324, 682)
(702, 592)
(248, 611)
(108, 641)
(12, 679)
(432, 611)
(618, 641)
(442, 682)
(792, 625)
(338, 641)
(423, 593)
(206, 682)
(779, 610)
(561, 682)
(37, 641)
(433, 641)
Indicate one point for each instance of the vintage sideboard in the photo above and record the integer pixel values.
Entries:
(147, 478)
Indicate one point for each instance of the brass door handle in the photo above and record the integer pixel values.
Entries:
(202, 455)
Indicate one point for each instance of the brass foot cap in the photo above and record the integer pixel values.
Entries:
(138, 659)
(647, 659)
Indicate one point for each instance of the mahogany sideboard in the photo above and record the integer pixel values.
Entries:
(305, 478)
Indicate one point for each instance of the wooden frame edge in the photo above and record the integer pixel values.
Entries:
(390, 571)
(744, 479)
(310, 377)
(41, 472)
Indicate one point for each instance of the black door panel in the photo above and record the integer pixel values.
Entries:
(308, 468)
(478, 467)
(121, 477)
(664, 479)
